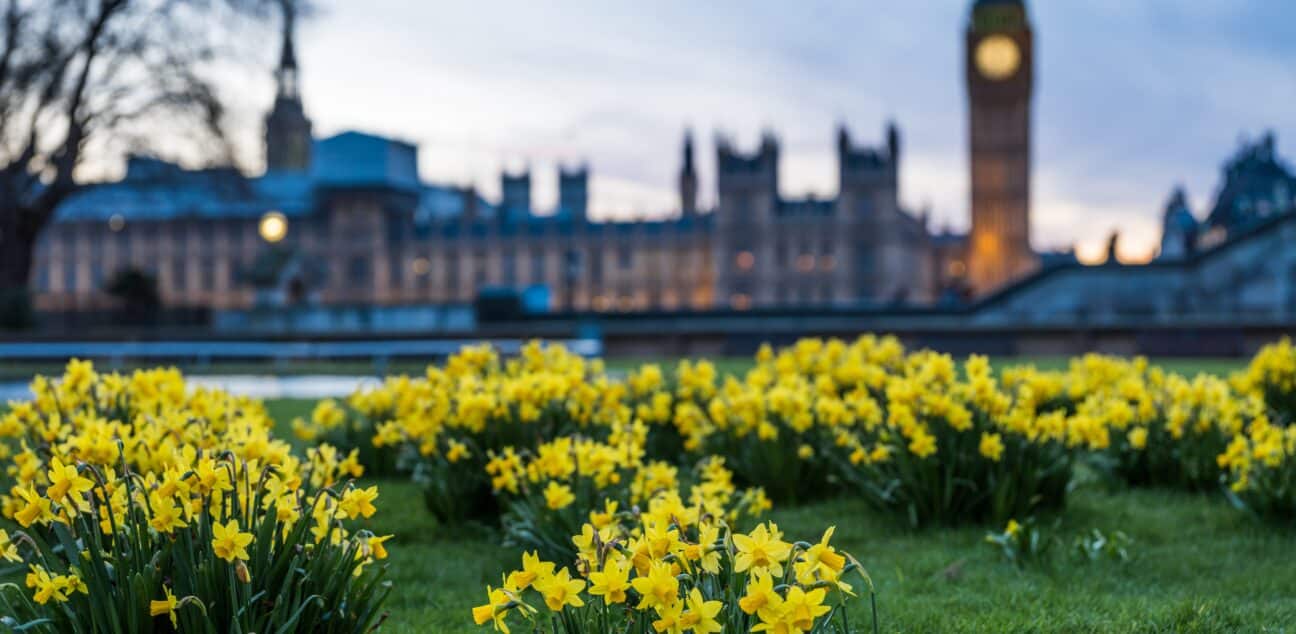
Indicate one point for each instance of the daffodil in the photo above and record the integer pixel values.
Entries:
(228, 542)
(659, 588)
(46, 586)
(532, 568)
(35, 508)
(558, 496)
(358, 503)
(611, 582)
(991, 446)
(761, 599)
(493, 611)
(375, 545)
(66, 481)
(166, 515)
(560, 590)
(763, 549)
(166, 606)
(700, 616)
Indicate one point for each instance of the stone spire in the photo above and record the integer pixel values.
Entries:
(286, 75)
(688, 180)
(288, 130)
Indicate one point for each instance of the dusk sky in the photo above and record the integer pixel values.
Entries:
(1131, 97)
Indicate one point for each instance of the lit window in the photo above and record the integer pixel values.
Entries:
(745, 260)
(740, 301)
(805, 263)
(957, 268)
(827, 263)
(420, 266)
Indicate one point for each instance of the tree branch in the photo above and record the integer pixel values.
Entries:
(68, 156)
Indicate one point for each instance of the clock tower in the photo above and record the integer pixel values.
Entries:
(1000, 69)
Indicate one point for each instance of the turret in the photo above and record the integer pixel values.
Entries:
(515, 189)
(1178, 227)
(868, 168)
(288, 130)
(757, 172)
(573, 192)
(688, 180)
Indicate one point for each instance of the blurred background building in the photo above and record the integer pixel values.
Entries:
(347, 221)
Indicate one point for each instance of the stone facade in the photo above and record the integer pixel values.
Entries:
(353, 224)
(1255, 185)
(1249, 279)
(362, 229)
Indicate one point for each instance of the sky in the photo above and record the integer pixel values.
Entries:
(1131, 98)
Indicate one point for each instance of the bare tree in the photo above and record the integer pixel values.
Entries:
(75, 72)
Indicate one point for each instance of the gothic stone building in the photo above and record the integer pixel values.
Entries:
(1255, 186)
(1236, 267)
(347, 220)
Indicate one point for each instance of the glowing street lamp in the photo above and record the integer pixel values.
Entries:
(273, 227)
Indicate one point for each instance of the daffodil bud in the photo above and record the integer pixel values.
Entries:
(242, 573)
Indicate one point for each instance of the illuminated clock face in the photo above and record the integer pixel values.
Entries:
(997, 57)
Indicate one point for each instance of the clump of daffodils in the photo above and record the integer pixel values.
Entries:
(944, 446)
(445, 425)
(1164, 429)
(773, 424)
(1272, 376)
(143, 502)
(1261, 466)
(662, 572)
(549, 494)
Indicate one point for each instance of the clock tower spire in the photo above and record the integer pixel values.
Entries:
(1000, 77)
(287, 129)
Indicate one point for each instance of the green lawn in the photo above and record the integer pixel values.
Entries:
(1198, 566)
(24, 370)
(1181, 365)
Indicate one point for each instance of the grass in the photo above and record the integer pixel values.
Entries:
(1198, 566)
(23, 370)
(1182, 365)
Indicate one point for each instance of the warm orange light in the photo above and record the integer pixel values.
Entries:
(745, 260)
(420, 266)
(827, 263)
(740, 301)
(997, 57)
(805, 263)
(1141, 257)
(1091, 253)
(273, 227)
(703, 297)
(986, 244)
